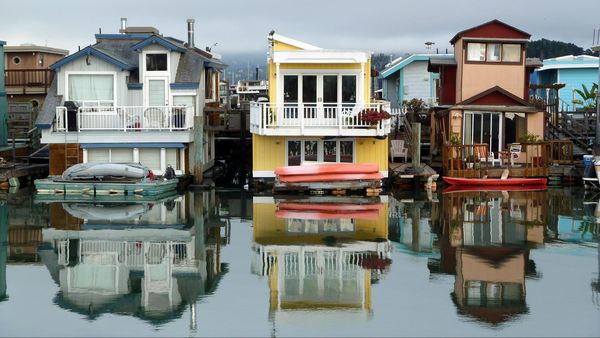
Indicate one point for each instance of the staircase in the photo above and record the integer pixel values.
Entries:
(71, 154)
(404, 131)
(578, 126)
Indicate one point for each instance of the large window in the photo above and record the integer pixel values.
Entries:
(493, 52)
(156, 62)
(333, 151)
(91, 89)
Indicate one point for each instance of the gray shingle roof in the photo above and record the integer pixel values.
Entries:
(46, 115)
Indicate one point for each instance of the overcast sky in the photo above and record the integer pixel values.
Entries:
(243, 25)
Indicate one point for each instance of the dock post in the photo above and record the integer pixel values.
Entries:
(416, 144)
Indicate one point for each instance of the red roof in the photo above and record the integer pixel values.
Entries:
(494, 29)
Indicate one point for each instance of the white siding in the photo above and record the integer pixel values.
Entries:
(150, 157)
(121, 155)
(416, 81)
(96, 65)
(97, 155)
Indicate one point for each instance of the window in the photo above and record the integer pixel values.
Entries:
(511, 52)
(156, 62)
(16, 60)
(91, 89)
(331, 151)
(475, 51)
(290, 88)
(349, 88)
(493, 52)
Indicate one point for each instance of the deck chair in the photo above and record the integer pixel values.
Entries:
(397, 149)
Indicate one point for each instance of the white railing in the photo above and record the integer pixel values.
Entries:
(303, 117)
(125, 118)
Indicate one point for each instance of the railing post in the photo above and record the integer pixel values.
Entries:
(301, 117)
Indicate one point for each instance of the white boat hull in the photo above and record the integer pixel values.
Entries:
(94, 170)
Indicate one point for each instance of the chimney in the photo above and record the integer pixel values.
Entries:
(123, 25)
(190, 28)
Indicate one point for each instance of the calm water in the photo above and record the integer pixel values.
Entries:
(517, 263)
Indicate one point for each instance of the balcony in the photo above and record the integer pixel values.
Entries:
(28, 81)
(321, 119)
(126, 119)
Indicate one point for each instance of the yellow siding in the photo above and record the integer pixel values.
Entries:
(279, 46)
(268, 152)
(372, 150)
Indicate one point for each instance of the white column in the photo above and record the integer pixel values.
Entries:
(361, 84)
(278, 94)
(181, 160)
(136, 155)
(163, 159)
(85, 155)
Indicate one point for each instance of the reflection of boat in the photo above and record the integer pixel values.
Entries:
(107, 212)
(495, 181)
(465, 188)
(102, 169)
(328, 210)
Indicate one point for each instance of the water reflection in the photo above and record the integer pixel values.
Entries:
(320, 254)
(146, 259)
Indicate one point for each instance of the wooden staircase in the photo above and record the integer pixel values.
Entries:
(71, 154)
(579, 127)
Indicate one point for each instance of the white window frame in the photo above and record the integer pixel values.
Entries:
(156, 72)
(114, 75)
(320, 149)
(194, 94)
(319, 73)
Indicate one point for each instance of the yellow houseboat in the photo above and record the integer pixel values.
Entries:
(316, 110)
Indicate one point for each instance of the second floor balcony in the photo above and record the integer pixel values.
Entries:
(123, 118)
(28, 81)
(318, 119)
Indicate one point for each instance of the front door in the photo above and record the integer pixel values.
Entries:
(156, 99)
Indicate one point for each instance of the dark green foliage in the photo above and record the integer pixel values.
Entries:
(545, 49)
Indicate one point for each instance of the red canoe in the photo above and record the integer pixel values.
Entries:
(328, 168)
(329, 177)
(495, 181)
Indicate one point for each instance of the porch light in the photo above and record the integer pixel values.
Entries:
(455, 115)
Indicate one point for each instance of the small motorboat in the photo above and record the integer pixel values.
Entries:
(328, 172)
(515, 181)
(84, 171)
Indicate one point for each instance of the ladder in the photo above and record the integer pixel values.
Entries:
(71, 154)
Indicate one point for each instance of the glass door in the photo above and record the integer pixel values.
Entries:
(156, 100)
(309, 96)
(329, 104)
(485, 128)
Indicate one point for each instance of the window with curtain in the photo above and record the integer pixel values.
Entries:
(511, 52)
(91, 89)
(493, 52)
(475, 51)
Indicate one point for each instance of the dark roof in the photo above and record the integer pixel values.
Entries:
(46, 115)
(495, 21)
(533, 62)
(121, 49)
(434, 63)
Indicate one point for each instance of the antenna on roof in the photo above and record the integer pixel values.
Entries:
(428, 44)
(99, 30)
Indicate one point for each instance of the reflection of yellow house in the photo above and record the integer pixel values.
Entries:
(313, 112)
(306, 273)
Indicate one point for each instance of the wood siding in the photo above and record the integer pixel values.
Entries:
(57, 157)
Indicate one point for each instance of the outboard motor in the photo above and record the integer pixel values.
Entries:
(169, 173)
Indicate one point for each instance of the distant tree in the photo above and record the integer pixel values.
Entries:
(379, 60)
(545, 49)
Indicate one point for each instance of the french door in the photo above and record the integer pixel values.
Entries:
(319, 97)
(483, 127)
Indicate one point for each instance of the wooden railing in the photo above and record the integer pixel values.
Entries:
(475, 160)
(559, 151)
(28, 77)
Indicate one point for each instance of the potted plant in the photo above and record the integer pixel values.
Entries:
(373, 116)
